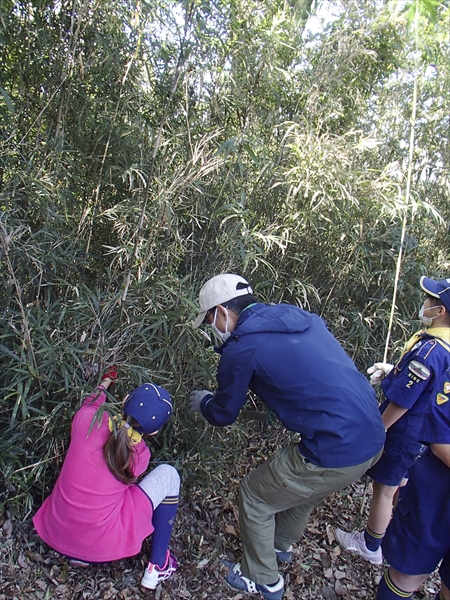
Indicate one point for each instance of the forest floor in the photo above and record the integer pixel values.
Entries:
(206, 531)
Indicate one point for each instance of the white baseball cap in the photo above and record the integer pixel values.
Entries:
(218, 290)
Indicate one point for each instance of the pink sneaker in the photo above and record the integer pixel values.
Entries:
(154, 575)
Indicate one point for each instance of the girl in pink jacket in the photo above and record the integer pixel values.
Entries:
(97, 511)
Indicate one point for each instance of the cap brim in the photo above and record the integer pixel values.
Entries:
(429, 286)
(199, 320)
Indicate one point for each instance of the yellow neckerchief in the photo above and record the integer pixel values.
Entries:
(440, 333)
(135, 436)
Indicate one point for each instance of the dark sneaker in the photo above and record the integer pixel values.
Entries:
(284, 555)
(154, 575)
(237, 581)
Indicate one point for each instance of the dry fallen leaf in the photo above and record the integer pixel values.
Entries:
(230, 529)
(330, 534)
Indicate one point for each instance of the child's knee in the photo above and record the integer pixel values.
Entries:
(173, 478)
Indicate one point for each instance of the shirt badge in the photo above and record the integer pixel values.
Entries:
(447, 387)
(419, 369)
(441, 399)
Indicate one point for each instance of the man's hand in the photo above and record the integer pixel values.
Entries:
(378, 372)
(196, 398)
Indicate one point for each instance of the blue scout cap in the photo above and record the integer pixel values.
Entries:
(150, 405)
(437, 289)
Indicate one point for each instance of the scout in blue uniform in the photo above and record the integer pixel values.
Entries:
(418, 537)
(291, 361)
(408, 388)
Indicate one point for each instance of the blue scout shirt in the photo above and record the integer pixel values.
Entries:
(290, 360)
(436, 424)
(410, 385)
(416, 372)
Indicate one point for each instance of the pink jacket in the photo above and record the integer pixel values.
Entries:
(90, 515)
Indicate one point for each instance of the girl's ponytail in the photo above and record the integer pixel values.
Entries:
(146, 409)
(118, 452)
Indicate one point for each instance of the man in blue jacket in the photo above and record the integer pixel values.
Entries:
(289, 359)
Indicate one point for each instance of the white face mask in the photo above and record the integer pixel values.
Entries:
(223, 335)
(427, 320)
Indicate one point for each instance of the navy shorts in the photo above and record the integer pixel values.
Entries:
(418, 537)
(400, 452)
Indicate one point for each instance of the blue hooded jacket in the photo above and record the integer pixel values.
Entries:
(291, 361)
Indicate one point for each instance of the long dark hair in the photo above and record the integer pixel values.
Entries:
(118, 452)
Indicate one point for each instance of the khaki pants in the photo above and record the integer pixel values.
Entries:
(276, 500)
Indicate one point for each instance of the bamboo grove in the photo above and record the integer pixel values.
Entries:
(148, 145)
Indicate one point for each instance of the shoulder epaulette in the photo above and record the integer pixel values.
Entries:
(429, 343)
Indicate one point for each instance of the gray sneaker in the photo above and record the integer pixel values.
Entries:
(355, 542)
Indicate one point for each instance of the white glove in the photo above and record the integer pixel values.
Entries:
(378, 372)
(195, 399)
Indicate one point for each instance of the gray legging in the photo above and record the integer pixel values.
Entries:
(163, 481)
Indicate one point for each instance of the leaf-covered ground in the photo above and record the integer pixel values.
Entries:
(206, 531)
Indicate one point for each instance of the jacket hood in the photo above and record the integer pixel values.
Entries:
(270, 318)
